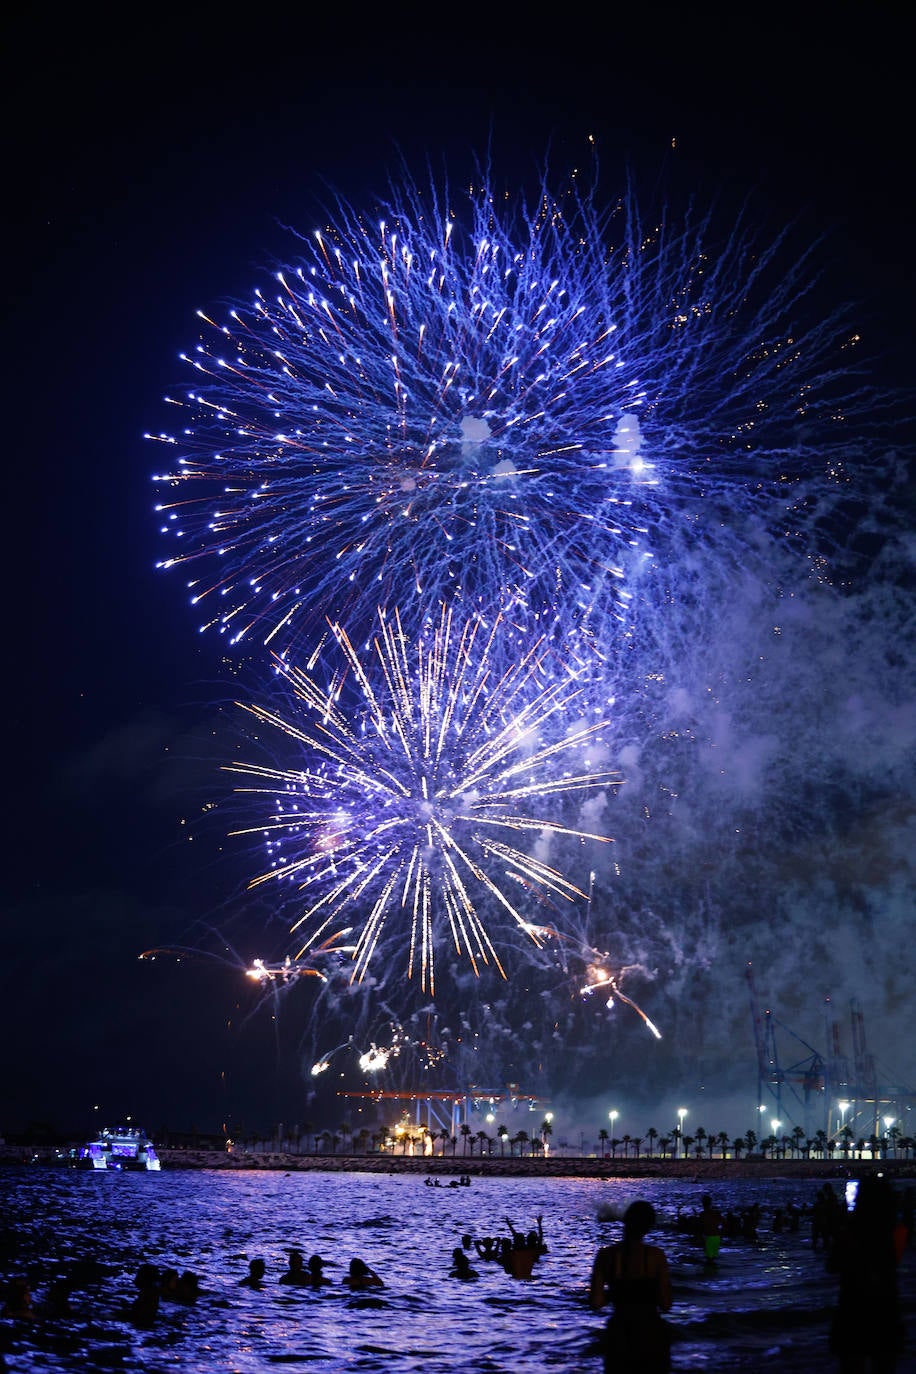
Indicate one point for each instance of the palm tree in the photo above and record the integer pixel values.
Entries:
(602, 1138)
(546, 1133)
(722, 1141)
(700, 1137)
(636, 1141)
(615, 1146)
(502, 1132)
(652, 1136)
(521, 1139)
(750, 1140)
(738, 1144)
(686, 1142)
(482, 1140)
(798, 1136)
(465, 1131)
(664, 1145)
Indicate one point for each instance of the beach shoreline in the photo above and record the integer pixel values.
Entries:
(473, 1166)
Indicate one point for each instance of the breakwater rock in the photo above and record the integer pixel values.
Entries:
(449, 1167)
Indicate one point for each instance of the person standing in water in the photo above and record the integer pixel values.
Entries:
(710, 1229)
(634, 1277)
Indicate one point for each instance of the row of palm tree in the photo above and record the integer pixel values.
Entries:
(704, 1144)
(701, 1144)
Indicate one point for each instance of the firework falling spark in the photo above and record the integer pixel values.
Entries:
(600, 978)
(514, 403)
(408, 812)
(305, 965)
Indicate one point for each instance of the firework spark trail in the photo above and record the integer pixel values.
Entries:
(511, 404)
(409, 802)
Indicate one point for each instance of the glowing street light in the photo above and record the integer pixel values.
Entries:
(888, 1123)
(612, 1117)
(681, 1113)
(844, 1108)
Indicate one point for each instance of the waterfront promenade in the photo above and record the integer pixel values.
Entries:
(496, 1166)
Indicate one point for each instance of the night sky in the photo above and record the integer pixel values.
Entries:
(152, 174)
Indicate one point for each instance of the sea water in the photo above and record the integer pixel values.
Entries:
(763, 1306)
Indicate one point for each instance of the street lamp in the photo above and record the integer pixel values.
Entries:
(681, 1113)
(888, 1123)
(612, 1117)
(844, 1108)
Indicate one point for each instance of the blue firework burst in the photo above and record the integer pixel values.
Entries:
(501, 401)
(424, 792)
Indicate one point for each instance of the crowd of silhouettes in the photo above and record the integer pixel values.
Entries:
(861, 1239)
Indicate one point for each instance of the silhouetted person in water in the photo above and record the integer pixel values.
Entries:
(19, 1300)
(296, 1274)
(361, 1276)
(461, 1265)
(711, 1227)
(255, 1276)
(867, 1335)
(316, 1272)
(634, 1277)
(145, 1306)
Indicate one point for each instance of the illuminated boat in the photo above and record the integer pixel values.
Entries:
(122, 1148)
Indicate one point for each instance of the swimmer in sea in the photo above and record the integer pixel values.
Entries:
(255, 1276)
(361, 1276)
(711, 1226)
(634, 1277)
